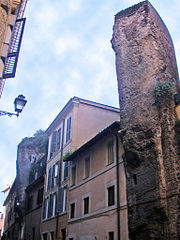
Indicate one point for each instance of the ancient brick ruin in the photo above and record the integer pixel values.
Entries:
(147, 81)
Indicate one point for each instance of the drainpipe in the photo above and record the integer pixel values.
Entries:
(117, 186)
(59, 183)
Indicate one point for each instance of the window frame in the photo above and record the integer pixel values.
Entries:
(109, 235)
(110, 143)
(64, 169)
(111, 196)
(29, 203)
(68, 129)
(50, 206)
(73, 176)
(40, 194)
(45, 208)
(85, 196)
(74, 212)
(65, 200)
(109, 185)
(59, 138)
(54, 208)
(49, 179)
(53, 143)
(86, 173)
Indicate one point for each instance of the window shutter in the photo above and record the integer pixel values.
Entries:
(65, 203)
(60, 199)
(57, 176)
(110, 152)
(44, 208)
(53, 175)
(40, 196)
(87, 167)
(49, 179)
(55, 202)
(66, 170)
(50, 209)
(53, 144)
(68, 129)
(58, 139)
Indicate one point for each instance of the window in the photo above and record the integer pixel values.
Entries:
(45, 236)
(49, 179)
(40, 196)
(50, 207)
(134, 178)
(52, 235)
(63, 234)
(56, 172)
(54, 179)
(111, 235)
(72, 214)
(54, 204)
(29, 203)
(73, 176)
(55, 141)
(58, 146)
(45, 208)
(65, 200)
(111, 197)
(33, 233)
(53, 144)
(110, 152)
(65, 170)
(86, 205)
(68, 129)
(87, 167)
(53, 175)
(61, 200)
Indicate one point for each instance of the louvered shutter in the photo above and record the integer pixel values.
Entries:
(55, 202)
(44, 208)
(60, 199)
(66, 170)
(68, 129)
(57, 176)
(53, 175)
(50, 208)
(53, 144)
(49, 179)
(58, 139)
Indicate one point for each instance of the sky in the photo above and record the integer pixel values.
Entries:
(66, 52)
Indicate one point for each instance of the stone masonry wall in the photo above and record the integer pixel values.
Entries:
(29, 151)
(147, 80)
(5, 10)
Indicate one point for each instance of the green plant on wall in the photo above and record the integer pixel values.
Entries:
(39, 166)
(66, 155)
(164, 90)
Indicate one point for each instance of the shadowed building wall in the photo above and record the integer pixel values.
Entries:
(147, 81)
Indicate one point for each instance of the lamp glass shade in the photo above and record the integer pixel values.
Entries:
(19, 103)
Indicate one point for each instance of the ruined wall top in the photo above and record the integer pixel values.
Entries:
(144, 57)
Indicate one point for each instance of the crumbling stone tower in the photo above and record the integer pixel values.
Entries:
(147, 81)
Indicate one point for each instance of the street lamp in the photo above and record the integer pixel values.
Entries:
(19, 104)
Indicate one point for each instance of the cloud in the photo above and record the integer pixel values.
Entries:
(66, 43)
(75, 5)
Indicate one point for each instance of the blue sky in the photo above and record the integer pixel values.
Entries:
(65, 52)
